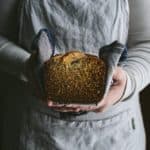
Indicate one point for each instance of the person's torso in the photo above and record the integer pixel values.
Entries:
(86, 25)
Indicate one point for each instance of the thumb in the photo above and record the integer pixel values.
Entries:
(118, 76)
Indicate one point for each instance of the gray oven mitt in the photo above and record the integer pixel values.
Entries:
(113, 55)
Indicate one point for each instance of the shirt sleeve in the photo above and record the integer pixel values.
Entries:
(12, 58)
(137, 65)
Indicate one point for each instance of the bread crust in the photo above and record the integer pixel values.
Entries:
(74, 77)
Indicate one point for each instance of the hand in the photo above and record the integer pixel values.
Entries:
(114, 95)
(116, 90)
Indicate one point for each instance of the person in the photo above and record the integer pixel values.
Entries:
(116, 123)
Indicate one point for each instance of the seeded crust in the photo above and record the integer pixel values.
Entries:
(74, 77)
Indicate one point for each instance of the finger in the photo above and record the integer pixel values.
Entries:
(79, 108)
(119, 76)
(63, 109)
(54, 104)
(72, 106)
(83, 108)
(102, 109)
(66, 105)
(50, 103)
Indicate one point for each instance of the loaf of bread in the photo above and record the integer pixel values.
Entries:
(74, 77)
